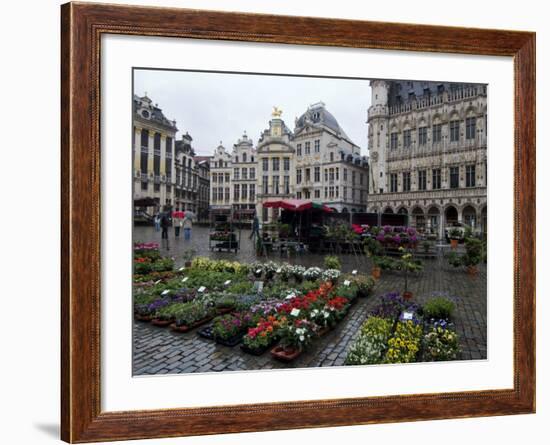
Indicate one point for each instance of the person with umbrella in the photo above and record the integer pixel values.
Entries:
(187, 225)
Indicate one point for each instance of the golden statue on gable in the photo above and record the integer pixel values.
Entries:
(276, 112)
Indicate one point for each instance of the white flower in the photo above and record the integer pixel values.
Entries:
(302, 338)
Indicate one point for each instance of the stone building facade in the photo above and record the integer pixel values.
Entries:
(220, 179)
(428, 153)
(329, 166)
(244, 177)
(153, 155)
(275, 155)
(202, 164)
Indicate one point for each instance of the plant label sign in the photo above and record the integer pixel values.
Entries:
(165, 292)
(181, 268)
(227, 283)
(354, 272)
(279, 270)
(201, 289)
(258, 271)
(157, 282)
(347, 283)
(407, 315)
(295, 312)
(184, 279)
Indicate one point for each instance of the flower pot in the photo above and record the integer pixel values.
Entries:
(376, 272)
(186, 328)
(472, 270)
(232, 341)
(285, 355)
(407, 295)
(454, 243)
(144, 318)
(160, 322)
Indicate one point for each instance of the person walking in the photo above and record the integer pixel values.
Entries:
(156, 220)
(164, 224)
(255, 227)
(187, 226)
(177, 223)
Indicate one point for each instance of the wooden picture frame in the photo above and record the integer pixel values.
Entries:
(82, 26)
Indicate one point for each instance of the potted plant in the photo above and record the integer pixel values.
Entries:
(295, 336)
(377, 266)
(262, 336)
(472, 257)
(454, 235)
(188, 257)
(332, 262)
(408, 264)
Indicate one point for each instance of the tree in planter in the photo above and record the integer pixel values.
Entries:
(408, 264)
(472, 257)
(332, 262)
(374, 250)
(454, 236)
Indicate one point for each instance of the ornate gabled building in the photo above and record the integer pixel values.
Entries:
(244, 177)
(428, 152)
(187, 183)
(153, 156)
(329, 166)
(220, 179)
(275, 157)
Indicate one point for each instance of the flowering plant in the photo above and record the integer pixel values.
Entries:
(264, 333)
(313, 273)
(298, 272)
(297, 334)
(227, 326)
(441, 343)
(323, 318)
(370, 346)
(403, 347)
(331, 275)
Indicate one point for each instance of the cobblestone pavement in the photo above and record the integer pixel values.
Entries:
(161, 351)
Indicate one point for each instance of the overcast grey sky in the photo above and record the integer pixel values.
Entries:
(216, 107)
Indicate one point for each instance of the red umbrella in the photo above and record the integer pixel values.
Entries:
(178, 214)
(296, 205)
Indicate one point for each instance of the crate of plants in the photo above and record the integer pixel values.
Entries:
(263, 336)
(229, 329)
(192, 315)
(295, 336)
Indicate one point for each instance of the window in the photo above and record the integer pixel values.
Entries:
(276, 185)
(227, 198)
(317, 146)
(308, 148)
(214, 194)
(353, 177)
(336, 191)
(331, 174)
(298, 176)
(407, 139)
(275, 164)
(345, 174)
(252, 190)
(244, 157)
(422, 135)
(307, 194)
(265, 189)
(406, 181)
(236, 192)
(236, 159)
(331, 156)
(326, 192)
(227, 179)
(361, 178)
(470, 176)
(331, 191)
(252, 172)
(471, 128)
(265, 164)
(345, 193)
(156, 159)
(143, 185)
(393, 182)
(317, 174)
(326, 174)
(299, 150)
(453, 171)
(244, 173)
(299, 195)
(286, 164)
(317, 193)
(436, 133)
(244, 191)
(454, 128)
(236, 173)
(286, 185)
(422, 180)
(393, 141)
(308, 174)
(436, 179)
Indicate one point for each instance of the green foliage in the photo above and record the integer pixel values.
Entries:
(474, 252)
(372, 247)
(438, 308)
(241, 288)
(190, 313)
(332, 262)
(454, 259)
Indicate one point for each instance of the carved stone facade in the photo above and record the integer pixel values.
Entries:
(428, 153)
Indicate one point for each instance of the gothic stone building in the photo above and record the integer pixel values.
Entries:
(428, 153)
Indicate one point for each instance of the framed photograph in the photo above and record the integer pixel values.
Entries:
(275, 222)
